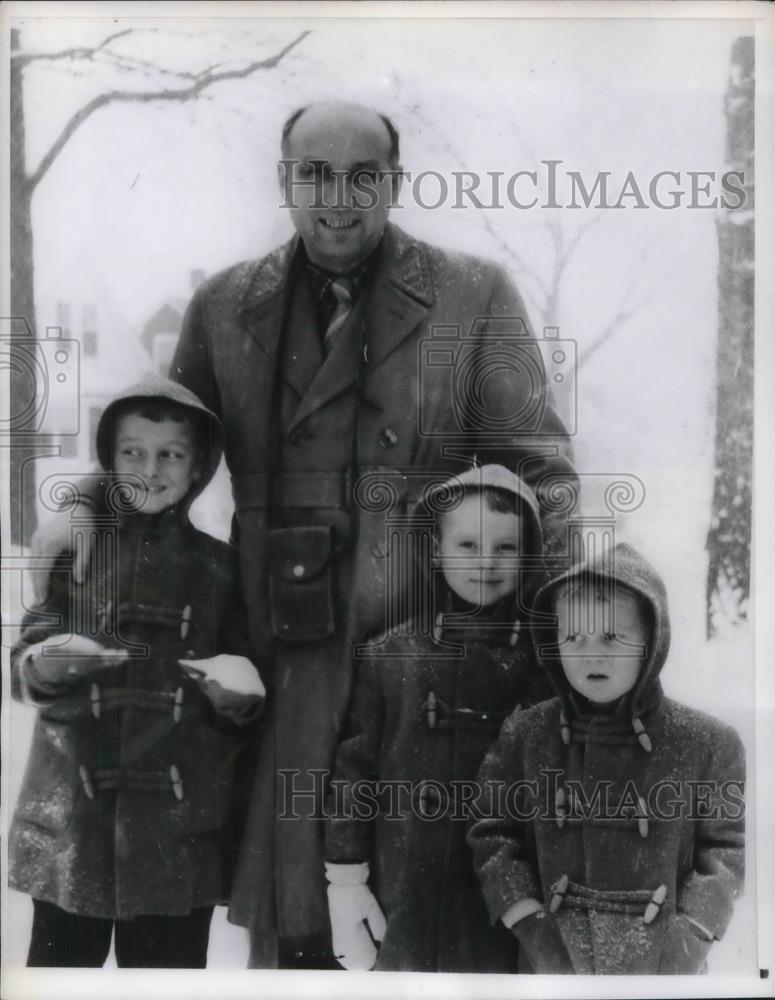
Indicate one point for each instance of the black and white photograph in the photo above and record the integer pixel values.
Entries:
(386, 466)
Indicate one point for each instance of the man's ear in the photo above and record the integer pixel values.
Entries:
(396, 181)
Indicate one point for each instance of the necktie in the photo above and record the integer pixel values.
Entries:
(342, 290)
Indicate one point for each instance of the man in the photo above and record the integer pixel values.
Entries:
(314, 359)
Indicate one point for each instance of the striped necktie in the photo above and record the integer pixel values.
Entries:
(342, 290)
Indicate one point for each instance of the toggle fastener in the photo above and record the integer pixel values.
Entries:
(94, 698)
(655, 904)
(564, 728)
(643, 736)
(430, 710)
(514, 637)
(185, 624)
(86, 781)
(559, 889)
(559, 803)
(177, 784)
(177, 711)
(643, 822)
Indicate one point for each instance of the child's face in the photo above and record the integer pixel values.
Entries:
(161, 453)
(477, 551)
(602, 640)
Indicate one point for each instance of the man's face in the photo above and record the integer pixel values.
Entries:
(602, 636)
(477, 551)
(163, 456)
(342, 216)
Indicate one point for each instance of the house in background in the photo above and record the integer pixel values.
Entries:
(160, 334)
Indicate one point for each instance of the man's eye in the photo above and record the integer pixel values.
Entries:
(367, 175)
(609, 636)
(573, 638)
(508, 548)
(467, 545)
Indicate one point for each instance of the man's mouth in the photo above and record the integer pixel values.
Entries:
(338, 223)
(597, 677)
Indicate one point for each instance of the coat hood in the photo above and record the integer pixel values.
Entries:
(628, 568)
(154, 387)
(440, 498)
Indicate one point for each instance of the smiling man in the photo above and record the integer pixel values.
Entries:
(313, 358)
(335, 420)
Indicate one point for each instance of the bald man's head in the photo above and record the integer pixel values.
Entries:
(340, 175)
(336, 108)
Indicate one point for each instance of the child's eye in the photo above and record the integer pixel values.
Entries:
(467, 545)
(130, 452)
(573, 637)
(609, 636)
(507, 547)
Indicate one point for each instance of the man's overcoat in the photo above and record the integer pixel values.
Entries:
(326, 457)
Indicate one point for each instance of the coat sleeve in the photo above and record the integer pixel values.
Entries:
(496, 835)
(708, 893)
(352, 805)
(41, 622)
(516, 422)
(192, 363)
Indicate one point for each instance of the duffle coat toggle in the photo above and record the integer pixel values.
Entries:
(565, 810)
(563, 892)
(441, 716)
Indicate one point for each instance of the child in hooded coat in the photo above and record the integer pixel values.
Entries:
(426, 705)
(143, 684)
(622, 848)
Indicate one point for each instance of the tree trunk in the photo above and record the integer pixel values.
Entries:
(729, 537)
(22, 326)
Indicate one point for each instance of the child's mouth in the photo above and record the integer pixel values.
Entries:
(597, 677)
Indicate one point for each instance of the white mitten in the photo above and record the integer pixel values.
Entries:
(63, 659)
(231, 684)
(351, 907)
(235, 674)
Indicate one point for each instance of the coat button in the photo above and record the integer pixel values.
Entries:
(387, 438)
(298, 571)
(298, 435)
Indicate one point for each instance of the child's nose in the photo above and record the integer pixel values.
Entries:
(151, 466)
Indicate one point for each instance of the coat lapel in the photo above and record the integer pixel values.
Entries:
(399, 297)
(264, 296)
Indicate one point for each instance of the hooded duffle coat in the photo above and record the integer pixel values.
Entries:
(665, 839)
(125, 807)
(426, 706)
(326, 456)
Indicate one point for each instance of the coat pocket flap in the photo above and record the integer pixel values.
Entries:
(300, 554)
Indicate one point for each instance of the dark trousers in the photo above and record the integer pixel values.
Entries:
(66, 939)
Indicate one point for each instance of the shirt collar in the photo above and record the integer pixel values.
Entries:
(321, 280)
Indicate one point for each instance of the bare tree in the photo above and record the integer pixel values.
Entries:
(729, 536)
(147, 82)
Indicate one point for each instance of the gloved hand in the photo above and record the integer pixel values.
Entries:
(351, 907)
(55, 537)
(63, 659)
(543, 946)
(231, 683)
